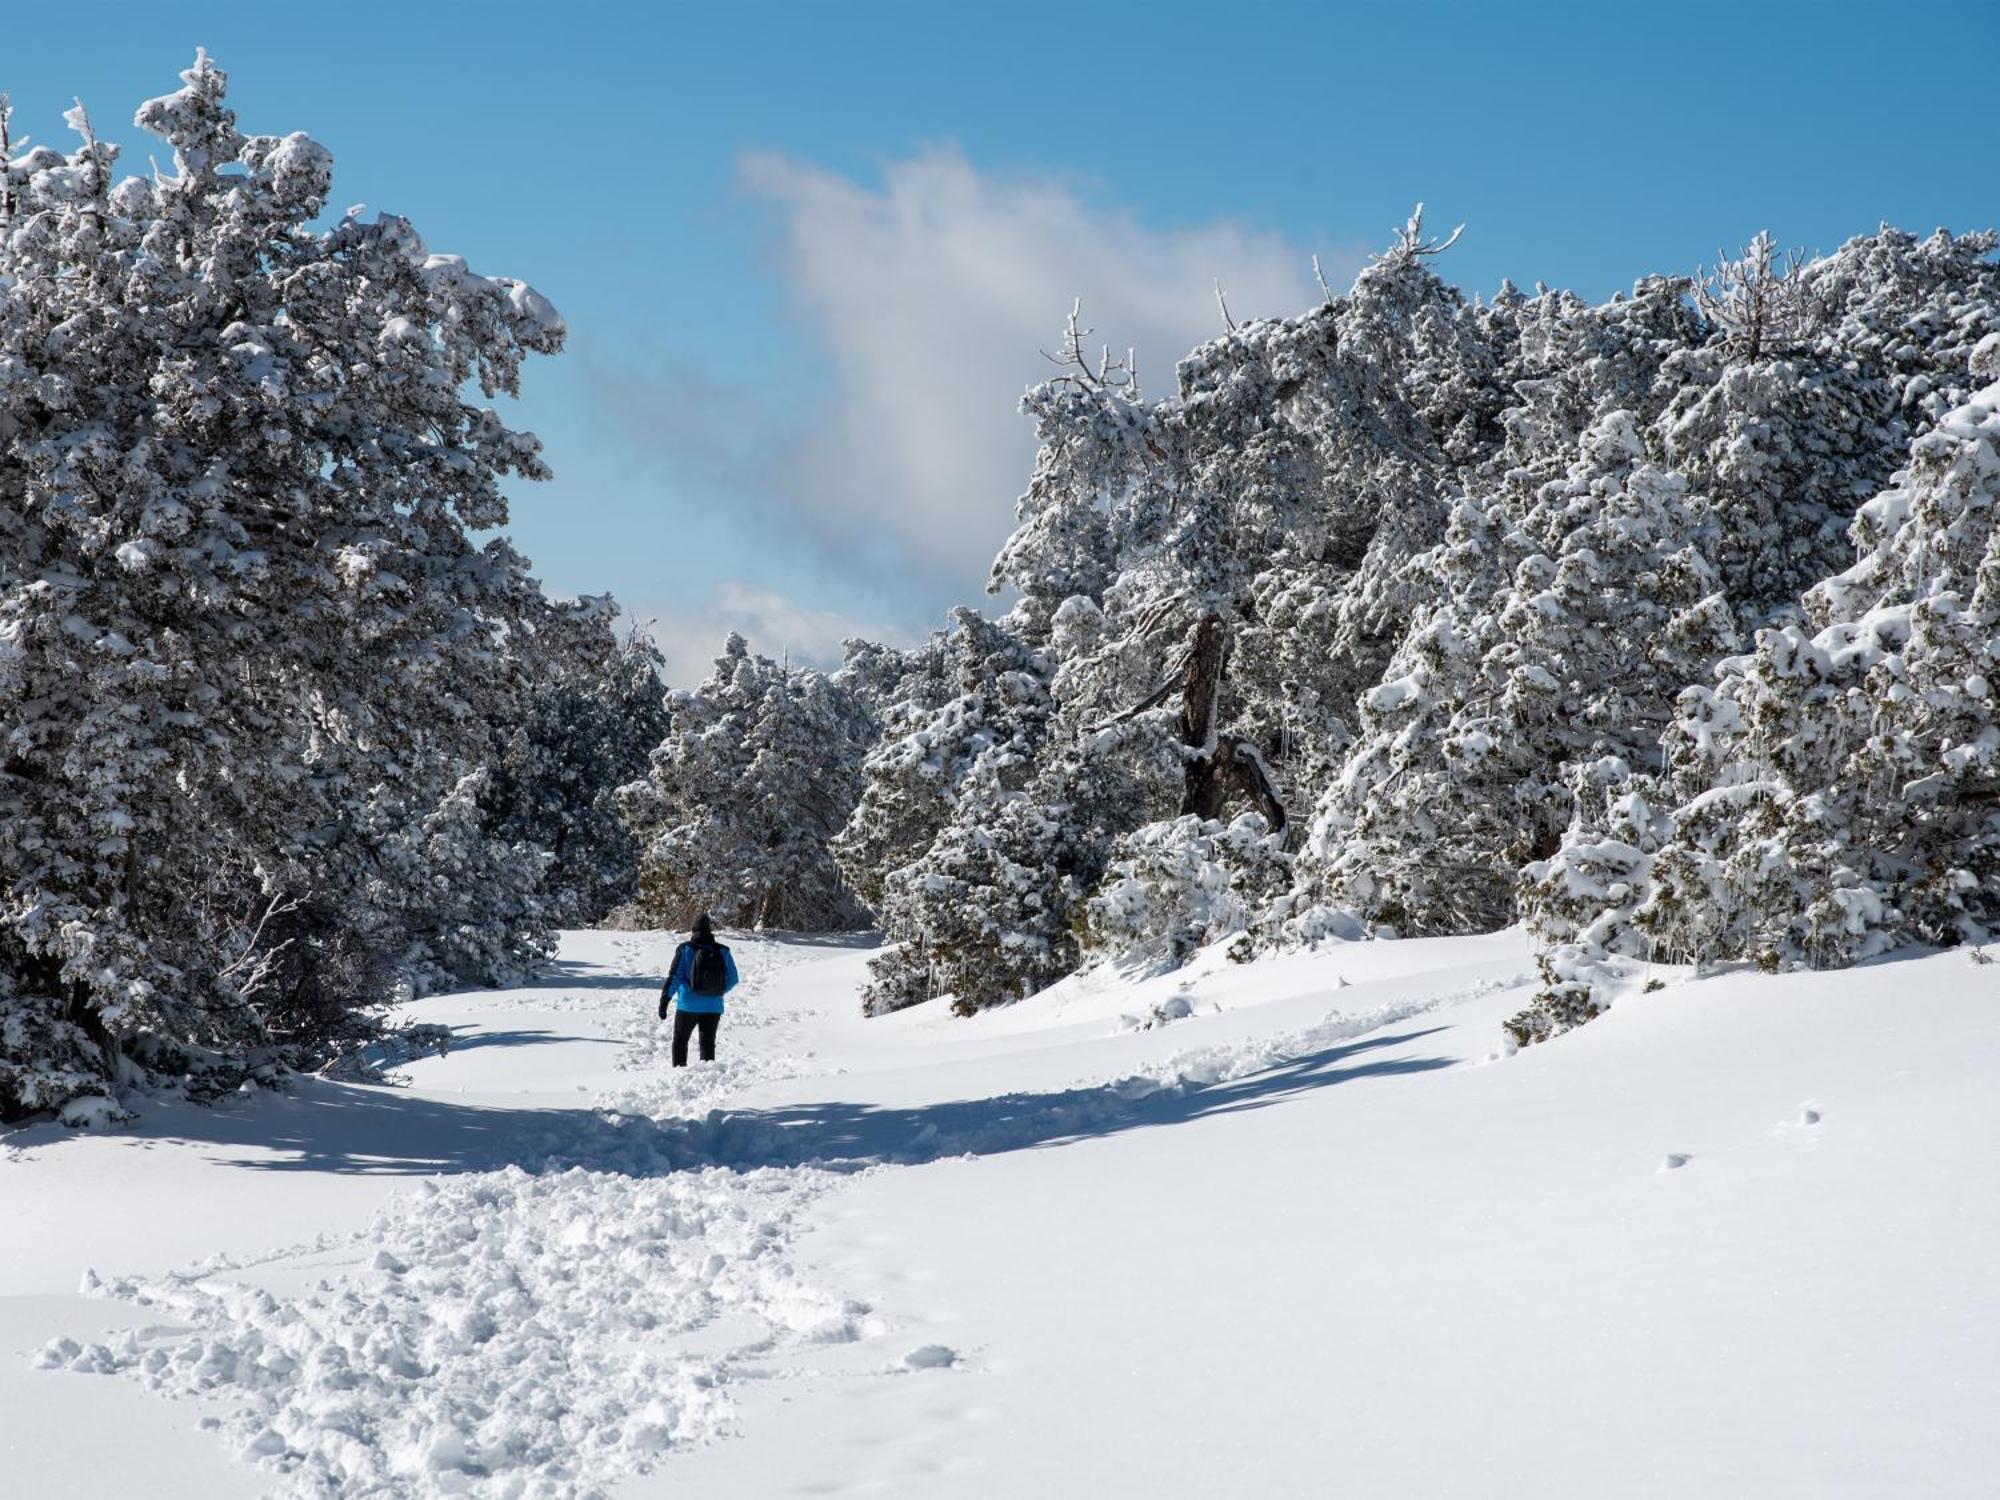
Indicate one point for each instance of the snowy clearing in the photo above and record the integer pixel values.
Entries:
(1242, 1229)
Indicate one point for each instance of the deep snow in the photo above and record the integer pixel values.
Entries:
(1290, 1227)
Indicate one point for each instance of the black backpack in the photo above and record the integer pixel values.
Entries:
(708, 974)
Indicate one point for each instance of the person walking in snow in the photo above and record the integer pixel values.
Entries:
(703, 972)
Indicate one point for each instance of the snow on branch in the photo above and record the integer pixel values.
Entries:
(1105, 374)
(1320, 276)
(1411, 246)
(6, 157)
(1761, 301)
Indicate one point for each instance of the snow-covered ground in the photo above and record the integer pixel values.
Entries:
(1287, 1228)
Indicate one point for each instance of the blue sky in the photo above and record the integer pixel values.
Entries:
(807, 252)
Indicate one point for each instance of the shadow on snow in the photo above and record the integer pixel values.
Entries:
(345, 1128)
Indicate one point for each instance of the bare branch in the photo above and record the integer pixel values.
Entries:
(1761, 302)
(255, 964)
(6, 156)
(1411, 246)
(1152, 700)
(1222, 302)
(1159, 614)
(1106, 374)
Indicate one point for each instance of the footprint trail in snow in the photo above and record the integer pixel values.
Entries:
(536, 1331)
(545, 1328)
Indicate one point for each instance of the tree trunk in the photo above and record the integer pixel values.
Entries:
(1201, 692)
(1218, 764)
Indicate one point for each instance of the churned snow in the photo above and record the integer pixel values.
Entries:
(1300, 1226)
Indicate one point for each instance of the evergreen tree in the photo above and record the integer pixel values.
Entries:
(244, 617)
(1845, 782)
(1837, 792)
(1461, 774)
(1173, 888)
(971, 692)
(759, 770)
(596, 713)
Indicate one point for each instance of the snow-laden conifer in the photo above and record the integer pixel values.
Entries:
(594, 716)
(971, 693)
(1174, 887)
(243, 618)
(759, 771)
(1845, 776)
(1460, 775)
(1836, 792)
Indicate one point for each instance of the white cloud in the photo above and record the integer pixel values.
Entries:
(690, 636)
(927, 300)
(931, 297)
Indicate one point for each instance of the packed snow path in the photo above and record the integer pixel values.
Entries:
(1240, 1230)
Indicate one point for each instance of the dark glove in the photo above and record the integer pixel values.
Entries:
(663, 1007)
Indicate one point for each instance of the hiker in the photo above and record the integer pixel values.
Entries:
(703, 972)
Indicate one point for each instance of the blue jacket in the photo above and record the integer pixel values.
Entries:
(682, 976)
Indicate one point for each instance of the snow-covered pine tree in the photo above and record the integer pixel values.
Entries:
(595, 714)
(1174, 545)
(1914, 311)
(467, 902)
(1174, 887)
(971, 691)
(241, 606)
(1842, 783)
(1804, 400)
(1717, 859)
(759, 771)
(1461, 773)
(984, 914)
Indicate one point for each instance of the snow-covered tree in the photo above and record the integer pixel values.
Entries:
(1580, 902)
(973, 692)
(466, 899)
(759, 771)
(1762, 302)
(1460, 776)
(1805, 400)
(984, 914)
(1171, 547)
(594, 717)
(1844, 778)
(1175, 887)
(970, 880)
(241, 606)
(1837, 791)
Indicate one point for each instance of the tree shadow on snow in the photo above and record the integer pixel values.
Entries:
(856, 941)
(471, 1039)
(318, 1126)
(844, 1133)
(567, 974)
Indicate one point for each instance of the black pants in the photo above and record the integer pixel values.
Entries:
(684, 1026)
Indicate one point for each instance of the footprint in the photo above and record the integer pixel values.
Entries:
(1675, 1159)
(1804, 1118)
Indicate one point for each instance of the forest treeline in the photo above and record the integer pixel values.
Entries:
(1669, 625)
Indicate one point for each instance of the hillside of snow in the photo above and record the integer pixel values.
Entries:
(1292, 1227)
